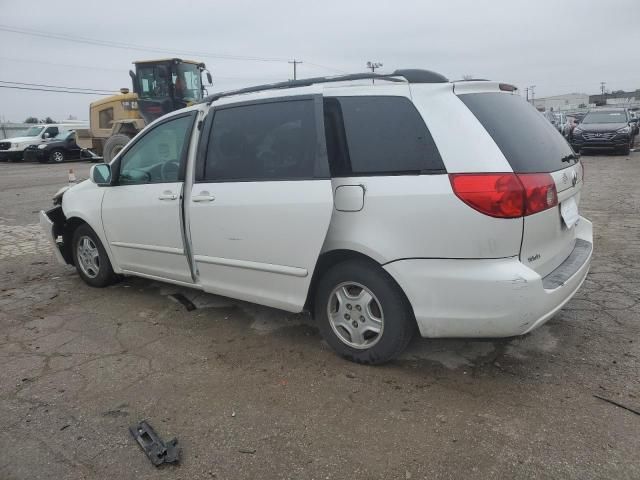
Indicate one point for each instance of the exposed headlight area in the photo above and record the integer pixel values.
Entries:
(577, 131)
(626, 129)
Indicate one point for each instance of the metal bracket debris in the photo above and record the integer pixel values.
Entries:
(180, 298)
(158, 451)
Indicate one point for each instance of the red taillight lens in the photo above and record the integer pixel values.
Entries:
(496, 194)
(540, 192)
(505, 195)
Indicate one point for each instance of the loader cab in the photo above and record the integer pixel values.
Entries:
(163, 86)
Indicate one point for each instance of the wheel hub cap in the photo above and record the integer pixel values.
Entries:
(355, 315)
(88, 257)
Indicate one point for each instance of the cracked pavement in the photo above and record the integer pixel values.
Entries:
(252, 392)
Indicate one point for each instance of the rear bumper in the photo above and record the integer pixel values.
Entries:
(490, 297)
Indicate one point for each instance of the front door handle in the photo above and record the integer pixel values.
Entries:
(168, 195)
(203, 197)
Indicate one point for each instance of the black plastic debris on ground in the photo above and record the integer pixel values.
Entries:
(180, 298)
(158, 451)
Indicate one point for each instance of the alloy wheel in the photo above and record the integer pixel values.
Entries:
(88, 257)
(355, 315)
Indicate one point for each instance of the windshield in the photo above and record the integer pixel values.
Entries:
(33, 132)
(187, 82)
(153, 81)
(605, 117)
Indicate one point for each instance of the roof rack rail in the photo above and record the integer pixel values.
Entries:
(409, 75)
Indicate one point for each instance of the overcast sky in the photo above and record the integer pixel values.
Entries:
(558, 45)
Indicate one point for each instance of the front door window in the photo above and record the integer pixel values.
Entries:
(157, 157)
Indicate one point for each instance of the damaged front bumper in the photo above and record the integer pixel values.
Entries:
(48, 224)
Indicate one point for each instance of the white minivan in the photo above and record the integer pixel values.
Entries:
(411, 203)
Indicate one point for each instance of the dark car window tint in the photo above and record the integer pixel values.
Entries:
(527, 140)
(52, 131)
(378, 135)
(266, 141)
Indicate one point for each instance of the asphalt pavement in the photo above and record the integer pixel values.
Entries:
(252, 392)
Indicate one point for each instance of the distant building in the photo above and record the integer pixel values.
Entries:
(569, 101)
(618, 97)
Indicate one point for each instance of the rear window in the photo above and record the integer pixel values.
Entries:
(527, 140)
(267, 141)
(378, 135)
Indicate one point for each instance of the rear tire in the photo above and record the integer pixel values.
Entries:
(90, 258)
(362, 313)
(113, 145)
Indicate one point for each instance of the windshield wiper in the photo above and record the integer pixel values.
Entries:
(571, 156)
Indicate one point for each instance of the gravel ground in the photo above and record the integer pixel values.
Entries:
(254, 393)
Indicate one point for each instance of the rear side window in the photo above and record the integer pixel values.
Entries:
(528, 141)
(265, 141)
(378, 135)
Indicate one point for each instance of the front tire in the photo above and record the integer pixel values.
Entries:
(90, 258)
(362, 313)
(57, 156)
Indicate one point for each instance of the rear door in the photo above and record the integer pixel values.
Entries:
(532, 145)
(260, 207)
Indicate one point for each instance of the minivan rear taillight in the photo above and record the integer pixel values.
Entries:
(505, 195)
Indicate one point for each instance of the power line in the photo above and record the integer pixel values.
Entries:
(55, 91)
(102, 90)
(88, 67)
(337, 70)
(128, 46)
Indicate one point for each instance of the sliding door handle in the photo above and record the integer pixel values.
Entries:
(203, 197)
(167, 195)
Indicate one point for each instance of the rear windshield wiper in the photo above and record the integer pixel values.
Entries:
(571, 156)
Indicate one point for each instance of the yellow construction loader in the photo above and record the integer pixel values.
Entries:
(159, 87)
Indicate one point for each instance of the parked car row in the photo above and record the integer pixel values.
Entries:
(45, 143)
(598, 129)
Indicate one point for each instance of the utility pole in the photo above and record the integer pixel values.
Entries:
(295, 70)
(533, 95)
(372, 66)
(602, 90)
(526, 90)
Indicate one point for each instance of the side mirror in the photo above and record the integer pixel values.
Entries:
(100, 174)
(46, 135)
(209, 78)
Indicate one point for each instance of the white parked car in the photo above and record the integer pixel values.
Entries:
(12, 149)
(381, 208)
